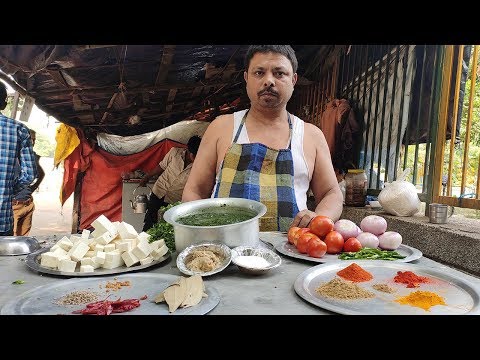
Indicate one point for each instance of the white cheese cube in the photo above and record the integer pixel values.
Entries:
(90, 254)
(49, 259)
(98, 247)
(143, 235)
(75, 238)
(157, 254)
(65, 243)
(85, 234)
(124, 246)
(54, 247)
(157, 244)
(126, 230)
(99, 258)
(142, 250)
(146, 261)
(104, 239)
(78, 250)
(66, 265)
(102, 223)
(129, 258)
(86, 268)
(113, 262)
(112, 256)
(109, 248)
(59, 252)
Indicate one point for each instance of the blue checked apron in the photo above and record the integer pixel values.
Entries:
(255, 171)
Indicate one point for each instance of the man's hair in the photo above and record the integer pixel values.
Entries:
(3, 93)
(32, 132)
(285, 50)
(193, 144)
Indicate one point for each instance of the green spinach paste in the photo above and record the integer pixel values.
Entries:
(215, 216)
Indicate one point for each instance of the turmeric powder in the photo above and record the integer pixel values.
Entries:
(421, 299)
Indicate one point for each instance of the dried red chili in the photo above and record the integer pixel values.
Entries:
(106, 307)
(410, 279)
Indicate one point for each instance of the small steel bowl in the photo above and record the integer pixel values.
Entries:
(273, 259)
(221, 249)
(18, 245)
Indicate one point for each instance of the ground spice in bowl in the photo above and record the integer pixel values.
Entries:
(355, 273)
(346, 290)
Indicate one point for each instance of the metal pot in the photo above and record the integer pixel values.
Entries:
(244, 233)
(139, 205)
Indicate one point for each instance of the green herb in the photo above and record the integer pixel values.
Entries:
(371, 254)
(163, 230)
(18, 282)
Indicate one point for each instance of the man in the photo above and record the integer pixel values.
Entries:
(265, 153)
(23, 205)
(172, 173)
(15, 144)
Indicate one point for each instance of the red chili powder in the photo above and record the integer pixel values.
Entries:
(355, 273)
(411, 279)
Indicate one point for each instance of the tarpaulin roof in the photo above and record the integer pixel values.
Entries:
(134, 89)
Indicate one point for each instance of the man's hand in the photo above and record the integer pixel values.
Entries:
(303, 218)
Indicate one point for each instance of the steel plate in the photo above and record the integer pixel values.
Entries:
(460, 296)
(285, 248)
(33, 262)
(40, 301)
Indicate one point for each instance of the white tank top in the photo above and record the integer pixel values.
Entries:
(301, 181)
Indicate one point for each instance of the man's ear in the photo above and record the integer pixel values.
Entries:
(245, 76)
(294, 79)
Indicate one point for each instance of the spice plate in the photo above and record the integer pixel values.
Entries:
(459, 295)
(41, 300)
(33, 262)
(288, 249)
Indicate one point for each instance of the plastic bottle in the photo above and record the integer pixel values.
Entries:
(355, 187)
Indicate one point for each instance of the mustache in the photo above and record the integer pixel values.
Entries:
(268, 91)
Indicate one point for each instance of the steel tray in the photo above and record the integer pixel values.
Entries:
(40, 301)
(33, 262)
(461, 296)
(285, 248)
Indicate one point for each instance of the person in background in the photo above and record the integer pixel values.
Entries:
(16, 145)
(172, 173)
(23, 205)
(264, 153)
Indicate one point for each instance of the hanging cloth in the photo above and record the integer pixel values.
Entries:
(257, 172)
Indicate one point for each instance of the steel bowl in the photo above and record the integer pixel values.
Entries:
(18, 245)
(222, 250)
(273, 259)
(232, 235)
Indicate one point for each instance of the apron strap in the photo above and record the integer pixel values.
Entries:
(239, 130)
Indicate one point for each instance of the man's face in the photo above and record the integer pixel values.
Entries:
(270, 80)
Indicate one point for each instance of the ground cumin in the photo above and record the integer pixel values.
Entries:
(411, 279)
(422, 299)
(345, 290)
(383, 288)
(355, 273)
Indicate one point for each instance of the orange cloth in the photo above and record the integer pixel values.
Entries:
(101, 187)
(331, 120)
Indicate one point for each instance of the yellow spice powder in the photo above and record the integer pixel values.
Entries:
(421, 299)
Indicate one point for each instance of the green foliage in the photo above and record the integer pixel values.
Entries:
(164, 230)
(43, 146)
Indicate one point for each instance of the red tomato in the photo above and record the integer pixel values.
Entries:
(303, 241)
(352, 245)
(291, 233)
(316, 248)
(321, 225)
(334, 241)
(299, 233)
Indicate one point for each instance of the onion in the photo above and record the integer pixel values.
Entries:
(390, 240)
(346, 228)
(374, 224)
(368, 240)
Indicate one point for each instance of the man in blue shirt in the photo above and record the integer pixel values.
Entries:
(15, 143)
(23, 204)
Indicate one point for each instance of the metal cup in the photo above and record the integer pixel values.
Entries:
(438, 213)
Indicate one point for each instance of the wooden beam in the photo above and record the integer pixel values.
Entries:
(171, 98)
(167, 56)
